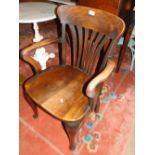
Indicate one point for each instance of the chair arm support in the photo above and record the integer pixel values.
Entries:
(96, 83)
(25, 53)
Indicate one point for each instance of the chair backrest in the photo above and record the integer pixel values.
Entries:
(91, 34)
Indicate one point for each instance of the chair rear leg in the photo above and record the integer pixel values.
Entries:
(97, 108)
(72, 129)
(123, 49)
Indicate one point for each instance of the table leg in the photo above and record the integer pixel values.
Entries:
(37, 35)
(40, 54)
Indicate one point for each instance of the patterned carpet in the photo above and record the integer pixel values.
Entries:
(103, 133)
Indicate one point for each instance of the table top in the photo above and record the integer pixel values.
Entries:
(35, 12)
(68, 2)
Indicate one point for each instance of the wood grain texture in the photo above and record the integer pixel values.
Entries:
(121, 8)
(107, 5)
(60, 92)
(88, 35)
(130, 24)
(103, 21)
(99, 79)
(117, 7)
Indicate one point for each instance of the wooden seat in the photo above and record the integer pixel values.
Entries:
(60, 92)
(70, 91)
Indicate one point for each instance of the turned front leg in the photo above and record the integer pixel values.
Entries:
(33, 105)
(72, 129)
(40, 54)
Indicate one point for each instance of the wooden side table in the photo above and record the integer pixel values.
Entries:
(36, 12)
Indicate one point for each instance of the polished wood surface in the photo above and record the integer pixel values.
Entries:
(105, 25)
(93, 84)
(117, 7)
(59, 90)
(70, 92)
(84, 37)
(130, 23)
(111, 5)
(121, 8)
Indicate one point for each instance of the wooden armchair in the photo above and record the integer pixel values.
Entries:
(70, 92)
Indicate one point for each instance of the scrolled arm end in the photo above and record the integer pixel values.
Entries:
(95, 84)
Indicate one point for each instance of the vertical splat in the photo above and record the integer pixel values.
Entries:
(99, 42)
(63, 54)
(80, 48)
(85, 49)
(73, 39)
(107, 51)
(90, 41)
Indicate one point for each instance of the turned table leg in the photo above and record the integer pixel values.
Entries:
(40, 54)
(37, 36)
(34, 13)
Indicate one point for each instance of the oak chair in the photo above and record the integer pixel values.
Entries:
(69, 92)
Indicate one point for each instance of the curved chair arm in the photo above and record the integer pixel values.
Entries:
(95, 84)
(25, 53)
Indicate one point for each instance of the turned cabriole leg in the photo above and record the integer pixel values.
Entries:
(72, 129)
(32, 105)
(40, 54)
